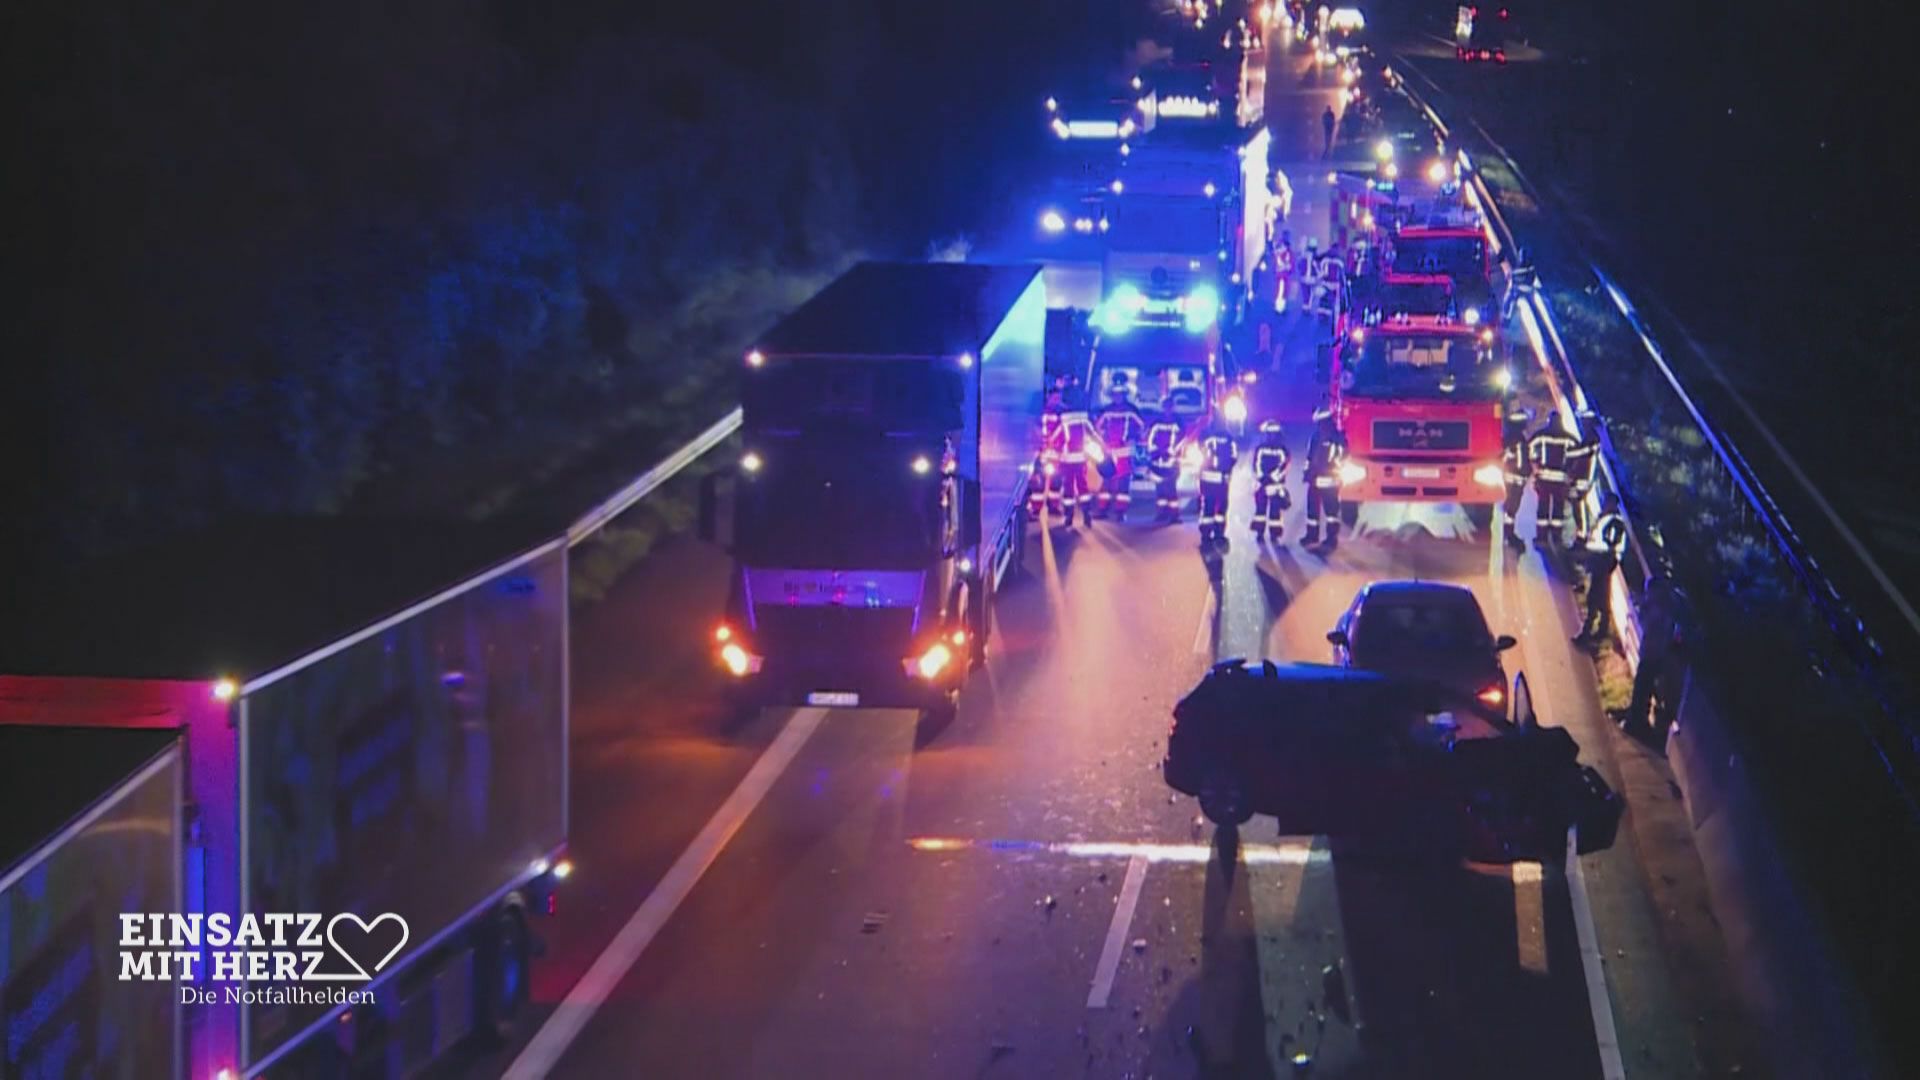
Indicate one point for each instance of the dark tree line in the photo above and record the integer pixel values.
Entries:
(281, 253)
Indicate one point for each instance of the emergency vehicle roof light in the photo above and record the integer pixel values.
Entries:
(1201, 309)
(1117, 314)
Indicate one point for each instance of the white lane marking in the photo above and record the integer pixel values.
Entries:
(1529, 917)
(1611, 1065)
(1109, 964)
(1599, 1002)
(1203, 634)
(613, 963)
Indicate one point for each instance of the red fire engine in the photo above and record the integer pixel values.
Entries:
(1419, 400)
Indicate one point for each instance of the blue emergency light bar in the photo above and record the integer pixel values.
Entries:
(1129, 307)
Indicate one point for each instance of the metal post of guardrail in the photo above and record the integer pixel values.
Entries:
(644, 484)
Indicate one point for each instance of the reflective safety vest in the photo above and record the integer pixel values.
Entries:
(1217, 459)
(1548, 450)
(1609, 535)
(1163, 443)
(1513, 461)
(1120, 426)
(1324, 455)
(1270, 465)
(1581, 460)
(1074, 429)
(1052, 432)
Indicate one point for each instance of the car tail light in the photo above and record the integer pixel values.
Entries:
(929, 664)
(1493, 695)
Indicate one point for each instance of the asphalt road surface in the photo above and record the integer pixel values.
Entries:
(848, 894)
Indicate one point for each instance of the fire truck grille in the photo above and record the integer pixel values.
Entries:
(1420, 434)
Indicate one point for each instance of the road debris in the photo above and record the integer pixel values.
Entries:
(873, 922)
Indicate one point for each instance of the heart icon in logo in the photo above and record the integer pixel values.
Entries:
(366, 930)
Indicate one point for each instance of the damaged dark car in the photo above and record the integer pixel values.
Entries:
(1357, 754)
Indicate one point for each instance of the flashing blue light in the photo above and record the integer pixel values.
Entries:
(1201, 309)
(1121, 309)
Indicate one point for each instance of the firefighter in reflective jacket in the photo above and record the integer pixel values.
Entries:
(1217, 459)
(1582, 464)
(1077, 442)
(1606, 543)
(1165, 440)
(1120, 426)
(1515, 467)
(1325, 453)
(1270, 498)
(1547, 452)
(1044, 484)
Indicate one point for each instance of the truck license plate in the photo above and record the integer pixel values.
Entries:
(833, 698)
(1421, 474)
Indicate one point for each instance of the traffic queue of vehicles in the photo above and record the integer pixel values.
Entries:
(894, 425)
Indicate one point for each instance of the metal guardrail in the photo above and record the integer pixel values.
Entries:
(643, 485)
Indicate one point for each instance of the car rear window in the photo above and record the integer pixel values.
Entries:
(1437, 623)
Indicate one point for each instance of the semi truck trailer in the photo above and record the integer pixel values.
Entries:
(362, 724)
(889, 429)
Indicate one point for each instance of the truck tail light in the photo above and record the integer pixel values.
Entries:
(738, 660)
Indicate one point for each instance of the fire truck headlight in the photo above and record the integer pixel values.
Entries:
(1393, 171)
(1052, 222)
(1352, 473)
(1383, 150)
(1437, 172)
(750, 462)
(1235, 409)
(1052, 105)
(1471, 316)
(1486, 336)
(1502, 378)
(921, 466)
(1489, 476)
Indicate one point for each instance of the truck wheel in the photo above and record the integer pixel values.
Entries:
(1349, 514)
(1223, 798)
(1481, 516)
(501, 975)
